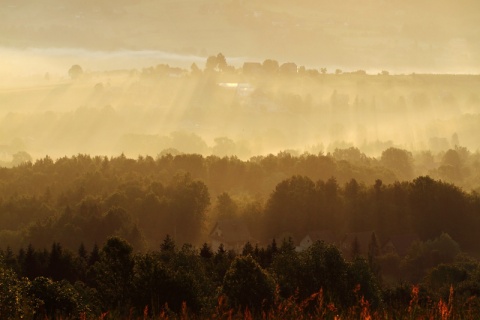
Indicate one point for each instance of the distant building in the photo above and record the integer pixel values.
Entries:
(232, 233)
(252, 68)
(310, 238)
(357, 243)
(400, 244)
(242, 89)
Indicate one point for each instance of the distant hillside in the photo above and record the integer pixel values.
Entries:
(421, 36)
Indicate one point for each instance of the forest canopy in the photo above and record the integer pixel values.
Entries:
(87, 199)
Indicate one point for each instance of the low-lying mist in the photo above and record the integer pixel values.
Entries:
(146, 80)
(226, 110)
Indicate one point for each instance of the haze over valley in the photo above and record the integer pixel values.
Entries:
(128, 101)
(211, 159)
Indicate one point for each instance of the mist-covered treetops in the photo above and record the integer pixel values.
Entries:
(90, 198)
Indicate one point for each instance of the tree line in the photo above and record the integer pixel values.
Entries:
(88, 199)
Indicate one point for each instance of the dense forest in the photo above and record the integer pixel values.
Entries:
(86, 199)
(136, 235)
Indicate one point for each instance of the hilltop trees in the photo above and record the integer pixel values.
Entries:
(20, 158)
(75, 71)
(216, 63)
(270, 66)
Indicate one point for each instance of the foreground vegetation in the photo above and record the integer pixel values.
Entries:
(272, 282)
